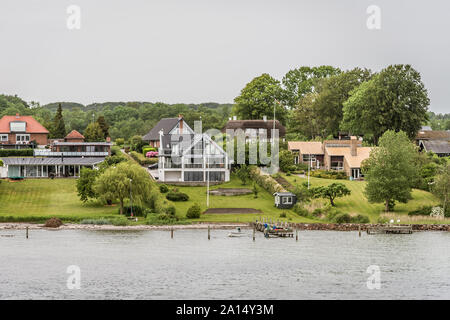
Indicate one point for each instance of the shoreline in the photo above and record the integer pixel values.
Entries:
(213, 225)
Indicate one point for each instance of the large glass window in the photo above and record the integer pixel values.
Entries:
(216, 176)
(193, 176)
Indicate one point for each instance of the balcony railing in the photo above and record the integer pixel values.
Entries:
(46, 153)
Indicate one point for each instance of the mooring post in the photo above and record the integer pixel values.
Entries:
(254, 231)
(359, 230)
(27, 232)
(171, 233)
(296, 233)
(209, 232)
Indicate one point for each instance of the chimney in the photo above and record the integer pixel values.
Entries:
(17, 115)
(180, 116)
(354, 146)
(265, 118)
(108, 139)
(234, 118)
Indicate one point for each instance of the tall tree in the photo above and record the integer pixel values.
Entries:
(58, 128)
(258, 98)
(390, 170)
(104, 126)
(333, 92)
(301, 81)
(121, 181)
(304, 118)
(395, 99)
(93, 133)
(441, 187)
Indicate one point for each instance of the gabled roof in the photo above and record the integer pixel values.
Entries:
(165, 124)
(256, 124)
(74, 134)
(437, 146)
(362, 153)
(306, 147)
(32, 125)
(433, 135)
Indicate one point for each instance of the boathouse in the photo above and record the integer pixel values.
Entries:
(285, 200)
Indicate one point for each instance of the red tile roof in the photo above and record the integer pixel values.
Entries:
(32, 125)
(74, 134)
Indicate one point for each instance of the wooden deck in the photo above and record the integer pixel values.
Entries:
(270, 229)
(391, 229)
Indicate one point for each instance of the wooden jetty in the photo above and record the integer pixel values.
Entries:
(390, 229)
(279, 230)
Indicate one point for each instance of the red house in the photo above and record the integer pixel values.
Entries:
(16, 131)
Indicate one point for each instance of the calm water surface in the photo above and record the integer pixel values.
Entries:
(150, 265)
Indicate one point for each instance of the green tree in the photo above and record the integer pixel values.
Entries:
(286, 160)
(85, 184)
(94, 133)
(390, 170)
(58, 128)
(298, 82)
(331, 192)
(395, 99)
(304, 118)
(121, 181)
(194, 211)
(136, 143)
(104, 126)
(258, 98)
(243, 173)
(441, 187)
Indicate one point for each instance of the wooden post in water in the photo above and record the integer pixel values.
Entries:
(27, 233)
(171, 233)
(296, 233)
(254, 231)
(209, 232)
(359, 230)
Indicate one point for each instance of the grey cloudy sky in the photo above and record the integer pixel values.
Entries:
(199, 51)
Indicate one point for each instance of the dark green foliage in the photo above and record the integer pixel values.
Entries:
(300, 210)
(243, 173)
(194, 211)
(163, 188)
(137, 211)
(286, 160)
(422, 211)
(177, 196)
(85, 184)
(360, 219)
(343, 218)
(331, 192)
(104, 126)
(59, 127)
(328, 174)
(16, 152)
(94, 133)
(141, 159)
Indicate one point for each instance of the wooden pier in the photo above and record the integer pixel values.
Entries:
(390, 229)
(278, 230)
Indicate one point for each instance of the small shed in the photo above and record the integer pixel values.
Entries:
(285, 200)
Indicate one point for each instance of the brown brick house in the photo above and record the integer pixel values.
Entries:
(17, 131)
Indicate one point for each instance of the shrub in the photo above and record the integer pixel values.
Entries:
(141, 159)
(422, 211)
(170, 210)
(194, 211)
(343, 218)
(360, 219)
(264, 181)
(283, 215)
(382, 220)
(16, 152)
(177, 196)
(163, 188)
(317, 212)
(151, 154)
(300, 210)
(120, 221)
(146, 149)
(330, 174)
(120, 141)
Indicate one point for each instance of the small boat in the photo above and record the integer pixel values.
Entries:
(237, 233)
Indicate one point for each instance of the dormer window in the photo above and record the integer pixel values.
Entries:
(17, 126)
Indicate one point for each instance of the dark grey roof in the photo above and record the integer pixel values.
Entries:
(165, 124)
(51, 161)
(82, 143)
(284, 194)
(437, 146)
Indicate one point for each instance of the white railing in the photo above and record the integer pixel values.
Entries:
(46, 153)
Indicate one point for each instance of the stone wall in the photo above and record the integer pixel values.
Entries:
(355, 226)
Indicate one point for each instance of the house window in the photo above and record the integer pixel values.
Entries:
(216, 176)
(22, 138)
(286, 200)
(309, 157)
(4, 137)
(193, 176)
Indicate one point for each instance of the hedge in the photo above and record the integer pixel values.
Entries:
(141, 159)
(16, 152)
(265, 181)
(330, 174)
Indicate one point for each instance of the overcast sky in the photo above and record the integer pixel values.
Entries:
(196, 51)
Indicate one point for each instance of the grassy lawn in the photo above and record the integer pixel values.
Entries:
(357, 203)
(34, 198)
(264, 202)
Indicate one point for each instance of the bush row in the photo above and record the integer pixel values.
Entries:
(330, 174)
(265, 181)
(16, 152)
(141, 159)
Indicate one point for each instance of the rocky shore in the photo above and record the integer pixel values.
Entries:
(299, 226)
